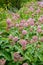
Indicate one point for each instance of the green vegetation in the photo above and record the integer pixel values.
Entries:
(21, 34)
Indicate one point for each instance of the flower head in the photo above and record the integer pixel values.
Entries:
(8, 21)
(2, 61)
(24, 32)
(15, 39)
(21, 24)
(41, 4)
(17, 25)
(15, 16)
(35, 38)
(16, 56)
(39, 30)
(23, 42)
(26, 24)
(31, 8)
(30, 21)
(25, 63)
(41, 19)
(23, 21)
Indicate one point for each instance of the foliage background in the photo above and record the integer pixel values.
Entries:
(13, 3)
(6, 49)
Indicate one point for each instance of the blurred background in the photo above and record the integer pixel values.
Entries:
(13, 4)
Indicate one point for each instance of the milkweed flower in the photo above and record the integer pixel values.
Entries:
(15, 16)
(41, 19)
(39, 27)
(23, 21)
(17, 25)
(25, 63)
(21, 24)
(26, 24)
(8, 21)
(15, 39)
(31, 9)
(24, 32)
(16, 56)
(41, 4)
(2, 61)
(35, 38)
(23, 43)
(38, 10)
(30, 21)
(39, 30)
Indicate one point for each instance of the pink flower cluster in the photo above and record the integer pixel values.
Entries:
(15, 39)
(24, 32)
(15, 16)
(41, 19)
(31, 9)
(23, 23)
(34, 39)
(41, 4)
(25, 63)
(38, 10)
(2, 61)
(17, 57)
(9, 23)
(23, 43)
(39, 30)
(30, 21)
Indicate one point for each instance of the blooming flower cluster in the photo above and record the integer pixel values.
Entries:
(17, 57)
(25, 64)
(22, 42)
(2, 61)
(40, 4)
